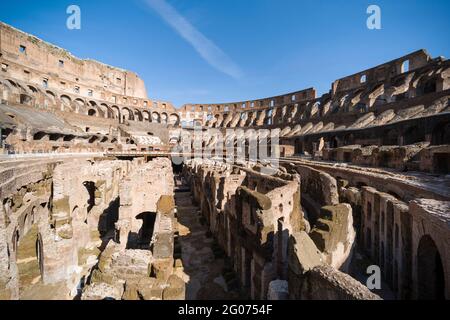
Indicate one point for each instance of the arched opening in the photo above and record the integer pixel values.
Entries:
(164, 118)
(361, 107)
(39, 135)
(156, 117)
(334, 143)
(40, 254)
(174, 119)
(92, 112)
(33, 89)
(29, 260)
(138, 116)
(79, 103)
(25, 99)
(363, 79)
(431, 279)
(11, 83)
(126, 114)
(426, 87)
(105, 111)
(268, 119)
(116, 112)
(405, 66)
(4, 90)
(15, 240)
(146, 116)
(65, 102)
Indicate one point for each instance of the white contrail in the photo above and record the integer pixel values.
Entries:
(205, 47)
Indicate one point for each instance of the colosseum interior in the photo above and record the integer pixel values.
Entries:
(108, 194)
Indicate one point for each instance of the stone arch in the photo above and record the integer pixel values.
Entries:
(430, 270)
(127, 114)
(146, 115)
(30, 254)
(25, 99)
(26, 223)
(40, 254)
(105, 110)
(92, 112)
(138, 115)
(51, 96)
(174, 119)
(115, 112)
(15, 240)
(12, 84)
(426, 86)
(33, 215)
(32, 88)
(164, 117)
(66, 102)
(79, 105)
(143, 239)
(39, 135)
(156, 117)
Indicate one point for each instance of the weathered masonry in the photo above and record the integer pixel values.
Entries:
(92, 207)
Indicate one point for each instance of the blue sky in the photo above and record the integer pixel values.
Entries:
(211, 51)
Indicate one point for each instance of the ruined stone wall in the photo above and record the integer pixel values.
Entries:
(382, 223)
(250, 214)
(388, 233)
(326, 283)
(51, 222)
(266, 212)
(61, 223)
(136, 198)
(318, 189)
(138, 264)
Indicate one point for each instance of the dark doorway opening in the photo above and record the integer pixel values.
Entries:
(146, 232)
(430, 271)
(90, 187)
(177, 167)
(347, 157)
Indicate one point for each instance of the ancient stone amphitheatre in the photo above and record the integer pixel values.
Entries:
(108, 194)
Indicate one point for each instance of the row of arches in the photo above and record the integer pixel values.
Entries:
(123, 114)
(28, 95)
(360, 100)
